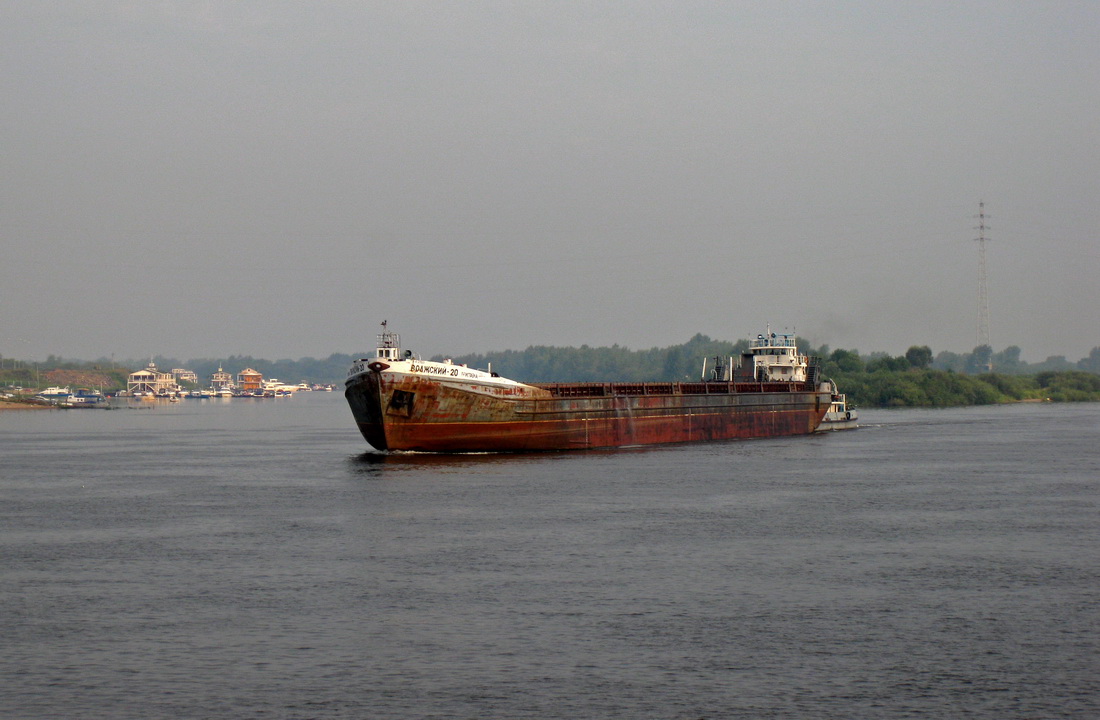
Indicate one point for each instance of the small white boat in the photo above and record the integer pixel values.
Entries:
(56, 394)
(839, 416)
(85, 397)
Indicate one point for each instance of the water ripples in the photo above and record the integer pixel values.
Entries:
(254, 561)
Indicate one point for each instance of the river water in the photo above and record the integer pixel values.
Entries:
(253, 559)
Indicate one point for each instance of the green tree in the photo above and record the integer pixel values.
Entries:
(980, 360)
(1092, 362)
(847, 361)
(947, 360)
(882, 362)
(1008, 360)
(919, 356)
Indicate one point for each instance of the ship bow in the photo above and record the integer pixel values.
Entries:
(363, 394)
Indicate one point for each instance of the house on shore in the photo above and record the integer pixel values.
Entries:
(249, 380)
(151, 381)
(184, 375)
(221, 380)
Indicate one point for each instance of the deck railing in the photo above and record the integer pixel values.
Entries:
(578, 390)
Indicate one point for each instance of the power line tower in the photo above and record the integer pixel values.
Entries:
(983, 286)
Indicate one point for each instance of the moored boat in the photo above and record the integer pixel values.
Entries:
(401, 402)
(55, 394)
(68, 398)
(86, 397)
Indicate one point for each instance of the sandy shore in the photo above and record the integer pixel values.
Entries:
(15, 405)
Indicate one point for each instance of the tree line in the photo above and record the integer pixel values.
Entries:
(918, 378)
(915, 379)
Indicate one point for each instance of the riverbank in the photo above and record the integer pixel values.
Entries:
(22, 405)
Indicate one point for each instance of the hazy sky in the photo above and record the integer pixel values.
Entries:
(202, 179)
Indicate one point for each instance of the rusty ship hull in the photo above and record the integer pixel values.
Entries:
(401, 402)
(399, 411)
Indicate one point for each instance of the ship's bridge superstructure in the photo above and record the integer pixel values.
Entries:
(774, 357)
(389, 345)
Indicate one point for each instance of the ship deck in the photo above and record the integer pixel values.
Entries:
(623, 389)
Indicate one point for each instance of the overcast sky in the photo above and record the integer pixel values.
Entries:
(204, 179)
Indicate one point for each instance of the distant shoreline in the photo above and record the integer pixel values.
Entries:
(20, 405)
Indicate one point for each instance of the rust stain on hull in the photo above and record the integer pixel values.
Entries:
(401, 412)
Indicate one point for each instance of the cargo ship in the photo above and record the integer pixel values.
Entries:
(402, 402)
